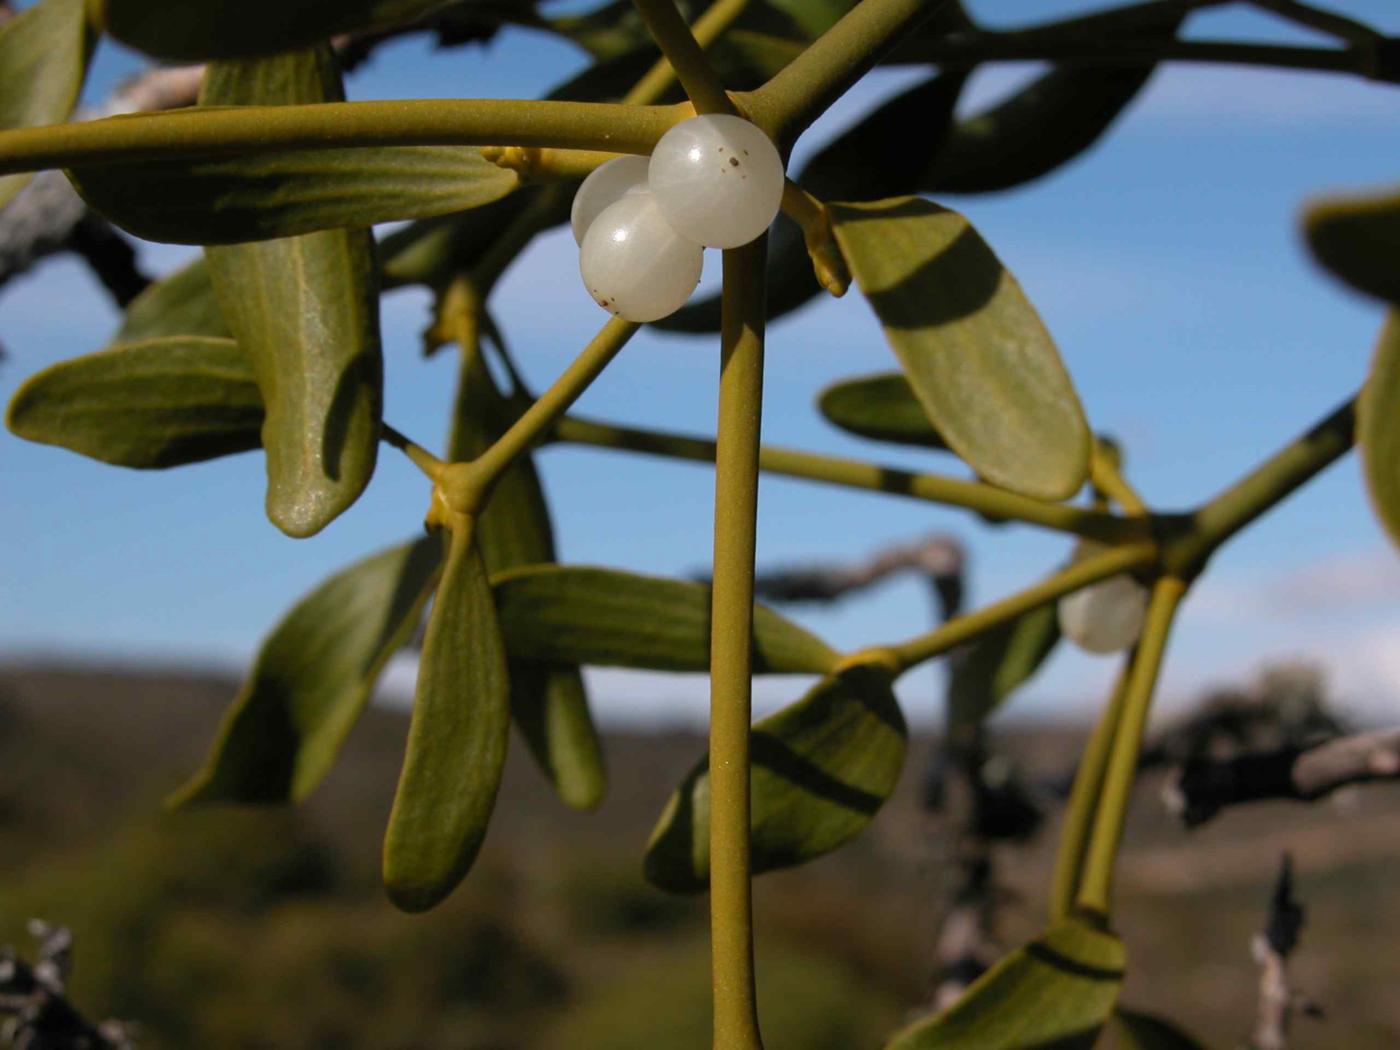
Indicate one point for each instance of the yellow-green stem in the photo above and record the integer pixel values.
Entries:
(1125, 558)
(804, 89)
(718, 17)
(272, 129)
(685, 56)
(1096, 885)
(466, 485)
(849, 473)
(731, 645)
(1083, 803)
(421, 458)
(1106, 476)
(1200, 534)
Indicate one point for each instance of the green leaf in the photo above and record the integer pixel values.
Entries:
(229, 200)
(822, 767)
(1057, 991)
(975, 351)
(882, 407)
(456, 740)
(1358, 239)
(43, 58)
(157, 403)
(985, 672)
(567, 614)
(1378, 427)
(312, 678)
(181, 303)
(1044, 125)
(548, 704)
(306, 312)
(196, 30)
(1141, 1031)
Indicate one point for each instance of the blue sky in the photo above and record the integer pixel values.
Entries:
(1166, 263)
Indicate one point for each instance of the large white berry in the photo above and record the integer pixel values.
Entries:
(606, 185)
(718, 180)
(1104, 617)
(634, 264)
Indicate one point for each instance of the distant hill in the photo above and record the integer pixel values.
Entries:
(266, 928)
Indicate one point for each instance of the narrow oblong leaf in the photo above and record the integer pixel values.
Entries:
(1358, 239)
(985, 672)
(181, 303)
(821, 768)
(196, 30)
(1050, 121)
(157, 403)
(569, 614)
(548, 704)
(976, 353)
(882, 407)
(1378, 427)
(305, 310)
(43, 58)
(456, 740)
(1135, 1030)
(312, 678)
(230, 200)
(1056, 991)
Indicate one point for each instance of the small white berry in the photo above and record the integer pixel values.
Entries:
(1106, 616)
(606, 185)
(718, 180)
(635, 265)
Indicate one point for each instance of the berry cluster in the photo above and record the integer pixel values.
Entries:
(642, 224)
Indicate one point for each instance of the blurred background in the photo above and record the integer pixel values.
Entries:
(1166, 262)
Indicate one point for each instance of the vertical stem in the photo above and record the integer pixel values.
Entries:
(685, 54)
(1083, 803)
(736, 515)
(1096, 888)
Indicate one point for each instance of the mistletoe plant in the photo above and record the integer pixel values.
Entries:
(271, 340)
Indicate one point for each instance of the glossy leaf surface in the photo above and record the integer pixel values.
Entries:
(195, 30)
(1057, 991)
(43, 58)
(156, 403)
(566, 614)
(312, 678)
(976, 353)
(306, 312)
(822, 767)
(1378, 427)
(456, 739)
(986, 671)
(1358, 239)
(229, 200)
(548, 704)
(882, 407)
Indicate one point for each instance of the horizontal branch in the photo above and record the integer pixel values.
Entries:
(993, 503)
(333, 125)
(1204, 787)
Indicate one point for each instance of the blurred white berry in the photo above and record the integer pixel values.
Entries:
(1106, 616)
(718, 180)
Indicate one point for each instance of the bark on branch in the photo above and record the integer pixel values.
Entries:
(1204, 787)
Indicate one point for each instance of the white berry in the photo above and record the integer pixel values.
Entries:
(606, 185)
(718, 180)
(635, 265)
(1104, 617)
